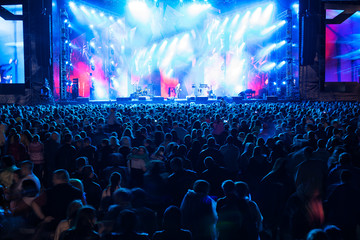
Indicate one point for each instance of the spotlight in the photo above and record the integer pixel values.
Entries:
(92, 44)
(283, 82)
(101, 14)
(265, 18)
(72, 4)
(111, 18)
(274, 83)
(69, 25)
(119, 21)
(280, 44)
(268, 50)
(70, 44)
(65, 21)
(83, 8)
(92, 26)
(140, 10)
(268, 67)
(281, 23)
(255, 17)
(197, 8)
(268, 30)
(281, 64)
(66, 41)
(295, 6)
(236, 18)
(93, 11)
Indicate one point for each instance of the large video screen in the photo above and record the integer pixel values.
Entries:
(342, 58)
(11, 47)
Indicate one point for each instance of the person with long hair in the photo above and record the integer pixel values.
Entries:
(70, 218)
(107, 194)
(84, 227)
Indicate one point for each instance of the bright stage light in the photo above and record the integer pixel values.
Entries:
(83, 8)
(65, 21)
(101, 14)
(295, 7)
(100, 92)
(274, 83)
(139, 10)
(184, 44)
(236, 18)
(256, 16)
(239, 89)
(280, 44)
(268, 30)
(267, 50)
(69, 25)
(93, 11)
(119, 21)
(241, 47)
(196, 8)
(93, 45)
(111, 18)
(173, 44)
(72, 4)
(163, 46)
(283, 82)
(266, 16)
(169, 74)
(273, 27)
(268, 67)
(91, 26)
(281, 23)
(242, 26)
(153, 48)
(281, 64)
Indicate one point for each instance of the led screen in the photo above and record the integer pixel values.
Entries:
(342, 59)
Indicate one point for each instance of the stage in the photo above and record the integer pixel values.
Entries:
(174, 50)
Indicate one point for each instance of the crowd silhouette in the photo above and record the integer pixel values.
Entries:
(277, 171)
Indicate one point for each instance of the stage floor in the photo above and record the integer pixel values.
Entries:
(161, 100)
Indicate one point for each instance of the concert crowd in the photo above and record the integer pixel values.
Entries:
(226, 171)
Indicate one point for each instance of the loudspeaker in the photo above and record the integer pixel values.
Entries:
(82, 100)
(272, 98)
(237, 99)
(158, 99)
(201, 99)
(123, 99)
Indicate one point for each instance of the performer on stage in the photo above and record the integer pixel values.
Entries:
(177, 90)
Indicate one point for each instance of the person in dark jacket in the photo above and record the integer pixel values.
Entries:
(91, 188)
(65, 156)
(172, 226)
